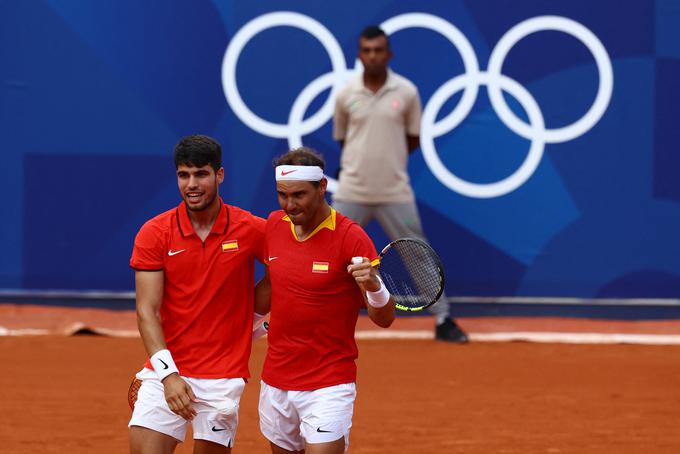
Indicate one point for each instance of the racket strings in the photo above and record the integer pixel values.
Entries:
(412, 273)
(133, 391)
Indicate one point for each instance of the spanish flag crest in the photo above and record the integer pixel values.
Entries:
(320, 267)
(230, 245)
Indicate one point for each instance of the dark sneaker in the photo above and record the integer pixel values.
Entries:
(449, 331)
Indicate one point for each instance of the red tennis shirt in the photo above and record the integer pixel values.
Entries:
(315, 302)
(207, 308)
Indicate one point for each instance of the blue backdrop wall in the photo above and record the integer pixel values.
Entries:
(549, 160)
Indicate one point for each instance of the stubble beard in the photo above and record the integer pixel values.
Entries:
(203, 206)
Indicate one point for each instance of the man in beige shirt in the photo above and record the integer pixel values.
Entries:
(377, 122)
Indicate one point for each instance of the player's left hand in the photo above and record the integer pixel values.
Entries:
(179, 395)
(365, 275)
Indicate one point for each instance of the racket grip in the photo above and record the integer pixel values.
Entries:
(357, 260)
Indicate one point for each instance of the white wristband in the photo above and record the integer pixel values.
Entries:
(163, 364)
(380, 297)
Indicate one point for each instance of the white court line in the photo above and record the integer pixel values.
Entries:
(527, 336)
(580, 338)
(524, 300)
(116, 332)
(23, 332)
(518, 336)
(67, 331)
(393, 334)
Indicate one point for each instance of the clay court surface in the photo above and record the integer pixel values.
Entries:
(67, 394)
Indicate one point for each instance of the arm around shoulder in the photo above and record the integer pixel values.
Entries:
(263, 294)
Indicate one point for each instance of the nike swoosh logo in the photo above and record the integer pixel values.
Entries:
(272, 258)
(171, 253)
(320, 430)
(284, 173)
(215, 429)
(165, 366)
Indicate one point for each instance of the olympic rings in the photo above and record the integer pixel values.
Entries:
(239, 41)
(457, 184)
(469, 82)
(593, 44)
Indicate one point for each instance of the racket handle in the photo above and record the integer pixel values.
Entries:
(357, 260)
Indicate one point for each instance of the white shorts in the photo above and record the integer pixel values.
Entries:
(216, 406)
(290, 418)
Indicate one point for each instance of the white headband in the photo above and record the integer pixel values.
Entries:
(299, 173)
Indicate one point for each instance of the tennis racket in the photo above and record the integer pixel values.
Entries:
(412, 272)
(132, 392)
(258, 331)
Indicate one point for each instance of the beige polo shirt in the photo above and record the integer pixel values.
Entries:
(374, 127)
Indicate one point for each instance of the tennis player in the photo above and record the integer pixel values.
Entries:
(308, 381)
(194, 281)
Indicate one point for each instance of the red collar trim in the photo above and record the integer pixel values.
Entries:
(186, 228)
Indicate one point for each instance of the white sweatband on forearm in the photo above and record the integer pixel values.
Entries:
(380, 297)
(163, 364)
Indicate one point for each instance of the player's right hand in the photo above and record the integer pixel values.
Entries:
(364, 274)
(179, 395)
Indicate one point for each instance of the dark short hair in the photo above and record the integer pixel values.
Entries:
(373, 31)
(198, 151)
(302, 156)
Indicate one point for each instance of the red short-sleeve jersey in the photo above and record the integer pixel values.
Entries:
(315, 302)
(207, 307)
